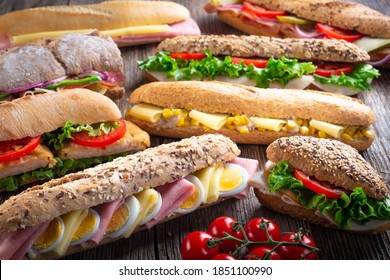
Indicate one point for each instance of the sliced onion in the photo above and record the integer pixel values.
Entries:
(114, 77)
(102, 75)
(52, 82)
(232, 6)
(35, 85)
(380, 62)
(314, 33)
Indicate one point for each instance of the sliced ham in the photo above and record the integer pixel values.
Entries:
(251, 166)
(5, 43)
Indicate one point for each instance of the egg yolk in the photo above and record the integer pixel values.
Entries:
(191, 200)
(230, 179)
(49, 236)
(119, 219)
(86, 226)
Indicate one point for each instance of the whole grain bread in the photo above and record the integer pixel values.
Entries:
(261, 46)
(110, 181)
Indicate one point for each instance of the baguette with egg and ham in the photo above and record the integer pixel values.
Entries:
(48, 135)
(127, 22)
(249, 115)
(325, 182)
(341, 20)
(110, 201)
(329, 65)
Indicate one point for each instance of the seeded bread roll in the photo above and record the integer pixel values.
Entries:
(120, 178)
(261, 46)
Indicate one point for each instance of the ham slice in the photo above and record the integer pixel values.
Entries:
(251, 166)
(5, 43)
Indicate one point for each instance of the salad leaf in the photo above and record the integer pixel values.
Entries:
(354, 206)
(359, 78)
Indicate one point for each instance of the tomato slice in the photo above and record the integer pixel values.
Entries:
(338, 33)
(14, 149)
(261, 12)
(328, 69)
(320, 187)
(259, 63)
(188, 56)
(83, 139)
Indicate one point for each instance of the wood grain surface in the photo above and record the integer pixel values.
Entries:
(163, 241)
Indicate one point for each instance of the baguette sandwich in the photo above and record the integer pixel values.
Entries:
(113, 200)
(353, 22)
(249, 115)
(70, 61)
(48, 135)
(127, 22)
(325, 182)
(266, 62)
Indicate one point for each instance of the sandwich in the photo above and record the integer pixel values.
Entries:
(128, 22)
(352, 22)
(47, 135)
(325, 182)
(265, 62)
(249, 115)
(70, 61)
(111, 201)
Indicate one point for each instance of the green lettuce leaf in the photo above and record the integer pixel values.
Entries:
(355, 206)
(359, 78)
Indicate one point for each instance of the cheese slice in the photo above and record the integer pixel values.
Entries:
(25, 38)
(213, 193)
(270, 124)
(146, 112)
(214, 121)
(204, 175)
(330, 129)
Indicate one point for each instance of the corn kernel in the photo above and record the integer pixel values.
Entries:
(237, 120)
(321, 134)
(304, 130)
(231, 127)
(244, 130)
(291, 124)
(184, 113)
(176, 112)
(367, 133)
(350, 130)
(299, 121)
(167, 114)
(305, 123)
(346, 136)
(358, 134)
(245, 120)
(180, 122)
(229, 120)
(312, 130)
(194, 122)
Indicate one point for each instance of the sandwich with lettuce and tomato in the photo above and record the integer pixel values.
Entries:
(265, 62)
(45, 136)
(353, 22)
(325, 182)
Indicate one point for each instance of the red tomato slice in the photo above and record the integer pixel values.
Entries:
(338, 33)
(261, 12)
(259, 63)
(188, 56)
(14, 149)
(328, 69)
(320, 187)
(82, 138)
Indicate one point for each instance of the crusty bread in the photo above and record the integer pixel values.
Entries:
(33, 115)
(346, 15)
(329, 160)
(220, 97)
(110, 181)
(103, 16)
(260, 46)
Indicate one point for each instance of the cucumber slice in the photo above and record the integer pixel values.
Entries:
(295, 20)
(372, 44)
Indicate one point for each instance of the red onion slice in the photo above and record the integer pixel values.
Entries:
(52, 82)
(380, 62)
(314, 33)
(102, 75)
(237, 7)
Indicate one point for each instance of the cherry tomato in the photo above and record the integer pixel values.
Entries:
(320, 187)
(260, 11)
(82, 138)
(338, 33)
(194, 247)
(221, 225)
(14, 149)
(255, 233)
(187, 56)
(259, 253)
(223, 256)
(259, 63)
(289, 252)
(328, 69)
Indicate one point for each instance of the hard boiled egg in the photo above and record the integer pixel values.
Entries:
(194, 200)
(233, 180)
(153, 212)
(87, 228)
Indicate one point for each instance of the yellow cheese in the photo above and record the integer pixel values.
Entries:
(146, 112)
(204, 175)
(270, 124)
(148, 199)
(213, 193)
(214, 121)
(330, 129)
(72, 221)
(25, 38)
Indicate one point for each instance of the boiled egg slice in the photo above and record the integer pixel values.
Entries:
(123, 218)
(234, 179)
(87, 228)
(49, 239)
(194, 200)
(153, 212)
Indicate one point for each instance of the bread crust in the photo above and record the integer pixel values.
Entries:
(220, 97)
(346, 15)
(260, 46)
(110, 181)
(34, 115)
(103, 16)
(329, 160)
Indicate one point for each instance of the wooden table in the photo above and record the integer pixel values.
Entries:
(163, 241)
